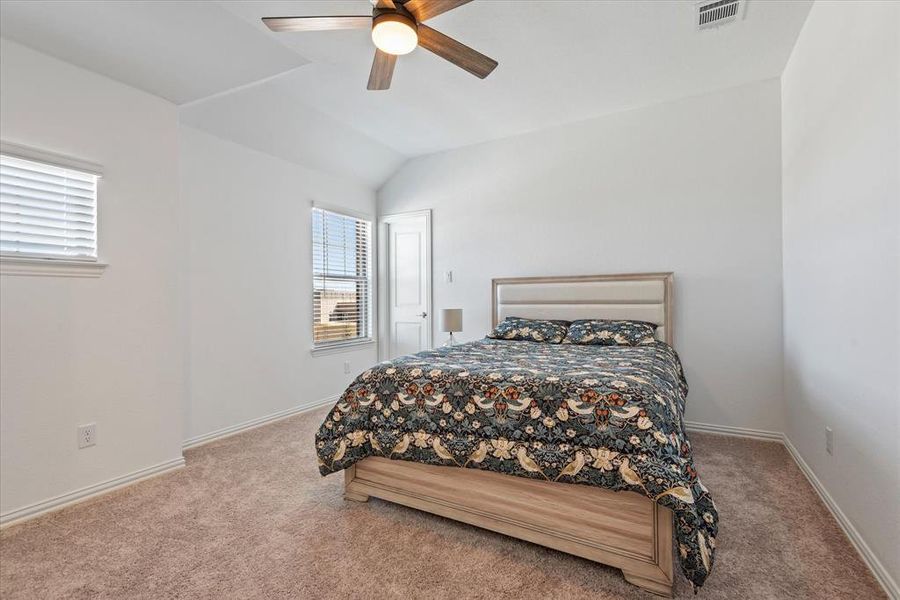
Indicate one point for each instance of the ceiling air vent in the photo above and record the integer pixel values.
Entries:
(717, 12)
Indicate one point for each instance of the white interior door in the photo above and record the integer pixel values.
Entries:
(408, 282)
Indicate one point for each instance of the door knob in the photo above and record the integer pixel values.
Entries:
(424, 314)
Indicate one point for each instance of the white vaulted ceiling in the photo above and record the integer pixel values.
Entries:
(181, 51)
(560, 61)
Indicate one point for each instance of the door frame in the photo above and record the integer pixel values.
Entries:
(384, 291)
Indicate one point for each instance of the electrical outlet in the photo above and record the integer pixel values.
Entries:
(347, 367)
(829, 440)
(87, 435)
(448, 277)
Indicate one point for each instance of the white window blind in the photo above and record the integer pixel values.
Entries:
(47, 211)
(342, 286)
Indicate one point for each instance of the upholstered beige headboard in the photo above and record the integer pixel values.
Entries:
(638, 296)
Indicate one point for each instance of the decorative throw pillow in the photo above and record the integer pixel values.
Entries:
(610, 333)
(531, 330)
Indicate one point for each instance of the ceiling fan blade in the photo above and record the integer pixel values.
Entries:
(317, 23)
(458, 53)
(388, 4)
(423, 10)
(382, 70)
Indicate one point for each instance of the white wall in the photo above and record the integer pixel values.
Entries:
(251, 283)
(202, 320)
(841, 152)
(106, 350)
(691, 186)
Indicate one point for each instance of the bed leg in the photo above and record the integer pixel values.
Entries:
(658, 578)
(353, 496)
(660, 588)
(349, 492)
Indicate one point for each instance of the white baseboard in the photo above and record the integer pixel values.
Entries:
(205, 438)
(881, 575)
(756, 434)
(39, 508)
(878, 570)
(63, 500)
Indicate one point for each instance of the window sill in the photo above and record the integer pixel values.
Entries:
(339, 348)
(50, 267)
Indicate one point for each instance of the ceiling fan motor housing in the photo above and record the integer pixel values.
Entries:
(382, 15)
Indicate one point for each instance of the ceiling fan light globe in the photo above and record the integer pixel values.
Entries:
(394, 34)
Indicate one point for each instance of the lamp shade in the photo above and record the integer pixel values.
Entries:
(451, 319)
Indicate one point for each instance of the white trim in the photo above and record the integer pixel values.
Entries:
(50, 267)
(878, 570)
(56, 503)
(39, 264)
(67, 499)
(856, 540)
(332, 347)
(340, 347)
(756, 434)
(341, 210)
(205, 438)
(383, 285)
(52, 158)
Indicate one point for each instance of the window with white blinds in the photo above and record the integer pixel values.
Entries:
(342, 282)
(47, 211)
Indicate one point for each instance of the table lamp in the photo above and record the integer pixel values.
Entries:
(451, 320)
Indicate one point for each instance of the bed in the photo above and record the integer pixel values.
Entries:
(577, 448)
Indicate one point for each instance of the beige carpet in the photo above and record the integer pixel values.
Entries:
(250, 517)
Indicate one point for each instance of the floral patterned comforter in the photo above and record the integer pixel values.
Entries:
(607, 416)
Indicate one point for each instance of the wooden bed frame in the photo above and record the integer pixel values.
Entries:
(622, 529)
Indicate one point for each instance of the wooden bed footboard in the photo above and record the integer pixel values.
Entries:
(621, 529)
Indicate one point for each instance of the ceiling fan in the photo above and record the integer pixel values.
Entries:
(397, 28)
